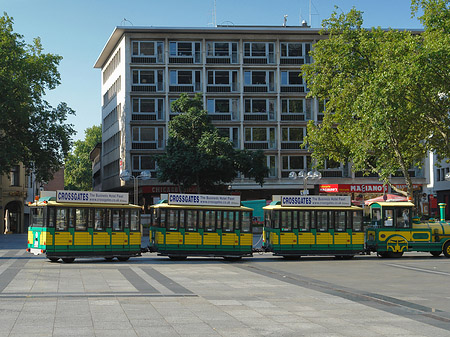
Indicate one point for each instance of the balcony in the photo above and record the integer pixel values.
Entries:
(293, 117)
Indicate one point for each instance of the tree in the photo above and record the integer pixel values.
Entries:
(378, 114)
(78, 166)
(31, 131)
(197, 155)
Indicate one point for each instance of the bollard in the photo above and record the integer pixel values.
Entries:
(442, 210)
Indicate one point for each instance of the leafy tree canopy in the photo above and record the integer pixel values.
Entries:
(31, 131)
(384, 89)
(78, 166)
(197, 155)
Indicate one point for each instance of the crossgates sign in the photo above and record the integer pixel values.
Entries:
(204, 200)
(315, 200)
(92, 197)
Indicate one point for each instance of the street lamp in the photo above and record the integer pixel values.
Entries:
(127, 176)
(311, 175)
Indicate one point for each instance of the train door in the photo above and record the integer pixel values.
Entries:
(100, 237)
(323, 236)
(305, 237)
(341, 230)
(63, 233)
(192, 237)
(211, 238)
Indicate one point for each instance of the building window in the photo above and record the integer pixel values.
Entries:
(144, 77)
(260, 106)
(272, 165)
(149, 106)
(260, 135)
(143, 162)
(291, 49)
(186, 77)
(185, 49)
(148, 134)
(292, 134)
(232, 134)
(149, 49)
(15, 175)
(290, 163)
(218, 77)
(222, 50)
(291, 78)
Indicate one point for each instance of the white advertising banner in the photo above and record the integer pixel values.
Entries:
(204, 200)
(92, 197)
(315, 200)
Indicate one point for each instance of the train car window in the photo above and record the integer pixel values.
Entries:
(286, 221)
(340, 220)
(99, 216)
(322, 221)
(81, 219)
(219, 220)
(376, 216)
(201, 219)
(162, 218)
(181, 214)
(268, 219)
(246, 222)
(357, 221)
(61, 219)
(228, 221)
(403, 218)
(134, 220)
(108, 218)
(276, 219)
(117, 223)
(90, 220)
(37, 217)
(126, 218)
(294, 219)
(172, 219)
(51, 217)
(191, 220)
(210, 221)
(304, 220)
(389, 218)
(71, 217)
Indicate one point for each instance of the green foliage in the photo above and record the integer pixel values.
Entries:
(78, 166)
(379, 90)
(31, 131)
(197, 155)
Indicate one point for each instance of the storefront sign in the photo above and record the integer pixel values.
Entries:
(204, 199)
(403, 187)
(92, 197)
(315, 200)
(165, 189)
(350, 188)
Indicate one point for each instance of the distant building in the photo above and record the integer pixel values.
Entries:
(96, 157)
(252, 90)
(13, 192)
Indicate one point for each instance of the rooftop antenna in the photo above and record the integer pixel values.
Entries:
(311, 4)
(285, 20)
(125, 20)
(214, 16)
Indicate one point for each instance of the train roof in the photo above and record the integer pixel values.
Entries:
(46, 203)
(393, 204)
(219, 208)
(277, 206)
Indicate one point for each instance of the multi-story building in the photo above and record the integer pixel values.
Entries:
(252, 89)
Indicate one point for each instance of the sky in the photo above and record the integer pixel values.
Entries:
(78, 30)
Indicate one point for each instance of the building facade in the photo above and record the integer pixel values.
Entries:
(13, 194)
(252, 89)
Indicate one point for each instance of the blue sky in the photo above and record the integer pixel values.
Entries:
(78, 30)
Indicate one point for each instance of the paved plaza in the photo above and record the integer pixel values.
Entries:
(260, 296)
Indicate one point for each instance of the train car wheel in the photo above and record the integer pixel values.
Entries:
(232, 258)
(54, 259)
(395, 254)
(383, 254)
(435, 254)
(68, 259)
(178, 257)
(446, 249)
(291, 257)
(123, 258)
(108, 259)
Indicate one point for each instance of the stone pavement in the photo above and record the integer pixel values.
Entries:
(153, 296)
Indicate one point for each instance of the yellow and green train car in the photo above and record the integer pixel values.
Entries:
(70, 229)
(190, 227)
(313, 225)
(393, 231)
